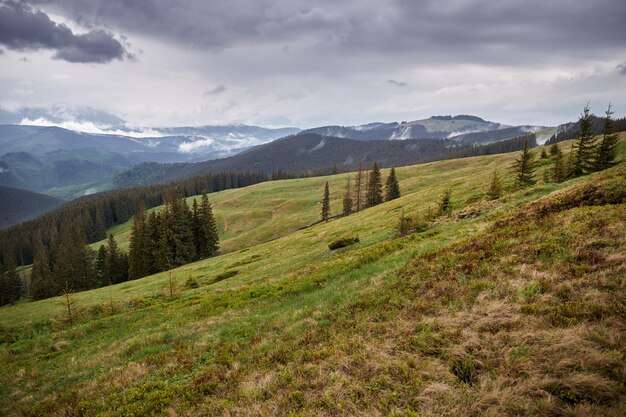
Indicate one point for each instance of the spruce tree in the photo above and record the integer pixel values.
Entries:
(585, 158)
(607, 150)
(495, 188)
(358, 188)
(445, 206)
(137, 251)
(115, 264)
(554, 149)
(100, 267)
(559, 170)
(544, 154)
(41, 284)
(524, 167)
(392, 188)
(375, 187)
(326, 204)
(12, 281)
(347, 199)
(208, 237)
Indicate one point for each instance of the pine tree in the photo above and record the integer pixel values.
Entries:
(12, 290)
(326, 204)
(445, 206)
(41, 284)
(100, 267)
(607, 150)
(392, 188)
(152, 242)
(208, 237)
(115, 264)
(554, 149)
(375, 187)
(138, 263)
(559, 171)
(584, 161)
(495, 189)
(358, 189)
(544, 154)
(524, 167)
(347, 199)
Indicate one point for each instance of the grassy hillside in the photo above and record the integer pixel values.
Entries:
(511, 307)
(266, 211)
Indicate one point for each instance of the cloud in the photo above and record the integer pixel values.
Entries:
(90, 127)
(23, 28)
(195, 146)
(397, 83)
(216, 90)
(621, 68)
(475, 30)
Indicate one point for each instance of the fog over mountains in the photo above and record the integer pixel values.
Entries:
(69, 153)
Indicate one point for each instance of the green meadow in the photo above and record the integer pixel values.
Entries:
(506, 307)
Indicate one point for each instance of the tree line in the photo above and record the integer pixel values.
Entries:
(175, 235)
(586, 155)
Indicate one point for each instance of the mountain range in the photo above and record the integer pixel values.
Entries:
(68, 163)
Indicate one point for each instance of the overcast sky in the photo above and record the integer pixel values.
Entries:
(314, 62)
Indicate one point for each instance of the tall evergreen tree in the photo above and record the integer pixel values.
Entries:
(326, 204)
(607, 150)
(559, 170)
(375, 187)
(208, 237)
(347, 199)
(41, 284)
(12, 286)
(585, 157)
(392, 188)
(359, 188)
(138, 261)
(115, 263)
(495, 188)
(99, 266)
(524, 167)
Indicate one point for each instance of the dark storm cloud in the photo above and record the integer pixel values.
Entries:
(397, 83)
(216, 90)
(22, 28)
(480, 31)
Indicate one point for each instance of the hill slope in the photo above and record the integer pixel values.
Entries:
(313, 153)
(18, 205)
(509, 307)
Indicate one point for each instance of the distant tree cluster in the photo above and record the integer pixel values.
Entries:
(367, 192)
(176, 235)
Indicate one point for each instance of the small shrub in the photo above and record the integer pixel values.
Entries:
(529, 292)
(343, 242)
(191, 283)
(225, 275)
(464, 368)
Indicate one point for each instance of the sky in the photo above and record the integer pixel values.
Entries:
(308, 63)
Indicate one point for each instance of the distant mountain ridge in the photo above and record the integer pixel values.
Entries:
(465, 128)
(50, 159)
(308, 153)
(70, 163)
